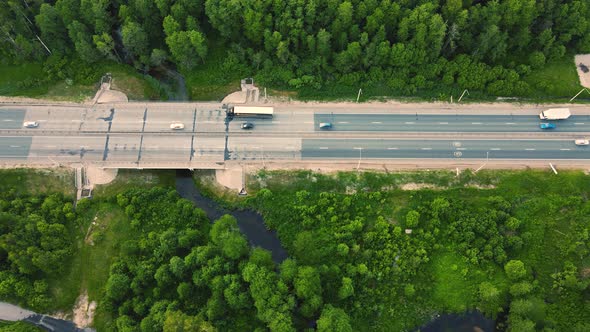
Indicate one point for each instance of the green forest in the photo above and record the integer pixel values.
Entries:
(319, 49)
(364, 253)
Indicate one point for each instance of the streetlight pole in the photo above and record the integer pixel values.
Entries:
(360, 158)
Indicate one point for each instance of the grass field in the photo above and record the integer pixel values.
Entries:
(558, 79)
(29, 80)
(135, 178)
(217, 77)
(38, 181)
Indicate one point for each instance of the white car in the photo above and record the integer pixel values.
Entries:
(31, 124)
(177, 126)
(581, 142)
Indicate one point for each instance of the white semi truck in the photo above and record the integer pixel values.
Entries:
(555, 114)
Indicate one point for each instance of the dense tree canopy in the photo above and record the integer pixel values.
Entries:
(405, 45)
(36, 242)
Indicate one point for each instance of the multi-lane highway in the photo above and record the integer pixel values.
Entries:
(448, 123)
(139, 134)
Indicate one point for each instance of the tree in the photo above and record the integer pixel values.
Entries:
(347, 289)
(53, 31)
(334, 319)
(490, 298)
(105, 45)
(412, 219)
(135, 39)
(117, 287)
(187, 47)
(515, 270)
(177, 321)
(83, 42)
(521, 288)
(309, 288)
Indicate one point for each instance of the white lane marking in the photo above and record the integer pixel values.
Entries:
(15, 146)
(426, 148)
(376, 122)
(76, 120)
(7, 120)
(276, 121)
(357, 148)
(461, 149)
(324, 148)
(565, 149)
(495, 149)
(476, 123)
(410, 122)
(578, 123)
(443, 123)
(391, 148)
(343, 122)
(510, 123)
(51, 146)
(530, 149)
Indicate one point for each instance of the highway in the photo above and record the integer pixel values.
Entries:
(448, 123)
(136, 134)
(425, 149)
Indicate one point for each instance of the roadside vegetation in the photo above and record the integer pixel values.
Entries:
(18, 327)
(321, 50)
(513, 245)
(68, 79)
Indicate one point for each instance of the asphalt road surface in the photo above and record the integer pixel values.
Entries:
(11, 118)
(15, 147)
(140, 133)
(424, 149)
(448, 123)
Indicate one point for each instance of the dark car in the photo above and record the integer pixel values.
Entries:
(247, 125)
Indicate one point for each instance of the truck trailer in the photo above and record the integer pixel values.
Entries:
(555, 114)
(251, 111)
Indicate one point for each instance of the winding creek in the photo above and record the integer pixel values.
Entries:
(250, 222)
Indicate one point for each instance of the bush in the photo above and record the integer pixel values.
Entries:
(537, 59)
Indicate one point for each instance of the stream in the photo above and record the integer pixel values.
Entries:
(251, 223)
